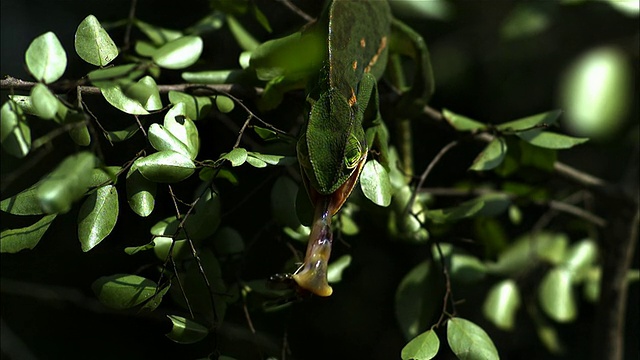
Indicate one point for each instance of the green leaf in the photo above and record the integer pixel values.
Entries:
(224, 104)
(122, 135)
(45, 58)
(423, 347)
(375, 183)
(116, 96)
(179, 53)
(469, 341)
(123, 291)
(484, 205)
(580, 258)
(145, 48)
(418, 299)
(550, 140)
(15, 134)
(141, 193)
(337, 267)
(462, 123)
(24, 103)
(44, 102)
(502, 303)
(162, 140)
(66, 183)
(105, 175)
(158, 35)
(205, 218)
(116, 75)
(242, 36)
(156, 299)
(147, 93)
(186, 331)
(24, 203)
(183, 128)
(529, 249)
(165, 167)
(97, 217)
(93, 44)
(131, 250)
(556, 295)
(179, 250)
(255, 162)
(273, 159)
(237, 156)
(545, 119)
(283, 202)
(14, 240)
(228, 241)
(491, 156)
(195, 107)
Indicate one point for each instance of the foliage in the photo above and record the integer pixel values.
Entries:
(164, 180)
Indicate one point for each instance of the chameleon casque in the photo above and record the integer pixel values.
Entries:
(346, 53)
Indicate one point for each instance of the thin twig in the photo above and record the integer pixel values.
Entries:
(297, 10)
(426, 173)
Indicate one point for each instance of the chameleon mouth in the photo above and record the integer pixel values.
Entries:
(312, 275)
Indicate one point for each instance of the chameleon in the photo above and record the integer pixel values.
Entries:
(340, 58)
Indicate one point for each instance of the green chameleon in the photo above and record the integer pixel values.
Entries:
(339, 59)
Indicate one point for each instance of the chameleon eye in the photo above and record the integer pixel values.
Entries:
(352, 152)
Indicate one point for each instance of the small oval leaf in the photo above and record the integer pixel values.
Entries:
(186, 331)
(93, 44)
(179, 53)
(97, 217)
(14, 240)
(141, 193)
(45, 58)
(423, 347)
(237, 156)
(375, 183)
(492, 155)
(165, 167)
(556, 295)
(15, 134)
(123, 291)
(502, 303)
(44, 102)
(469, 341)
(66, 183)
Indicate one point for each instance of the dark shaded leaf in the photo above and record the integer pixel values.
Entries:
(123, 291)
(14, 240)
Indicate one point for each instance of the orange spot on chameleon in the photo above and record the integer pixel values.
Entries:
(374, 59)
(363, 43)
(354, 65)
(352, 99)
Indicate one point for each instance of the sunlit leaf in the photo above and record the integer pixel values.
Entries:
(502, 303)
(273, 159)
(14, 240)
(529, 249)
(117, 97)
(179, 249)
(580, 258)
(179, 53)
(462, 123)
(141, 193)
(165, 167)
(93, 44)
(257, 163)
(15, 134)
(46, 58)
(115, 75)
(423, 347)
(529, 122)
(157, 34)
(556, 295)
(156, 299)
(243, 37)
(195, 107)
(97, 217)
(66, 183)
(131, 250)
(375, 183)
(491, 156)
(44, 102)
(183, 128)
(224, 104)
(469, 341)
(337, 267)
(236, 156)
(550, 140)
(162, 140)
(123, 291)
(186, 331)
